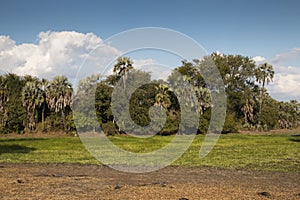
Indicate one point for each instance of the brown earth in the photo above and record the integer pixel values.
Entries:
(74, 181)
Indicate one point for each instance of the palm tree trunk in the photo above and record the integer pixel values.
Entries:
(63, 115)
(261, 102)
(43, 117)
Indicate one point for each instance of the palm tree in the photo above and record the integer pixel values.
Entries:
(285, 115)
(248, 111)
(43, 86)
(123, 66)
(203, 95)
(162, 98)
(59, 95)
(264, 74)
(31, 98)
(294, 110)
(296, 106)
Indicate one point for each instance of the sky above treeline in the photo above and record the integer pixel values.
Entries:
(48, 38)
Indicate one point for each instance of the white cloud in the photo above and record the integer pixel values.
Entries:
(290, 58)
(158, 71)
(57, 53)
(6, 43)
(62, 53)
(286, 85)
(138, 64)
(259, 59)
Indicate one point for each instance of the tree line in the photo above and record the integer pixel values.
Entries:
(29, 104)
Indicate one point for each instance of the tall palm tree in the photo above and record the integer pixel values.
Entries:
(31, 98)
(59, 95)
(123, 66)
(264, 75)
(43, 86)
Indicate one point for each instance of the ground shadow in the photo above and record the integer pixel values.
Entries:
(21, 139)
(14, 148)
(295, 137)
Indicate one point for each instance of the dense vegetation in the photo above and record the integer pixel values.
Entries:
(28, 104)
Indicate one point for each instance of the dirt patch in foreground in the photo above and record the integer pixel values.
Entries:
(73, 181)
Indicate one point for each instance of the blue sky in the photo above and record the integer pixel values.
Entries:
(245, 27)
(264, 28)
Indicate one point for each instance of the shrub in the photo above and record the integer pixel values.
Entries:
(110, 128)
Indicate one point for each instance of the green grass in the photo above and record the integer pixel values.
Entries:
(44, 150)
(233, 151)
(259, 152)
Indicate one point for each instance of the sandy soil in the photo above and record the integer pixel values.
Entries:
(74, 181)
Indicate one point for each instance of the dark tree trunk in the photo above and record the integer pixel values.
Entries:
(63, 115)
(43, 116)
(261, 102)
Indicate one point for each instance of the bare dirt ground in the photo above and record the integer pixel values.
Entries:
(74, 181)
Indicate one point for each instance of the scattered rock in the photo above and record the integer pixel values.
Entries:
(42, 175)
(266, 194)
(20, 181)
(118, 186)
(161, 183)
(183, 198)
(157, 183)
(57, 175)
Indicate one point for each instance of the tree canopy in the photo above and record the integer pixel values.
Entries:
(29, 104)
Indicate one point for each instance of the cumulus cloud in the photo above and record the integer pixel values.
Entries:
(288, 58)
(286, 85)
(79, 55)
(157, 70)
(259, 59)
(6, 43)
(56, 53)
(138, 64)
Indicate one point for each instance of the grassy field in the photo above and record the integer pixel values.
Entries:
(277, 152)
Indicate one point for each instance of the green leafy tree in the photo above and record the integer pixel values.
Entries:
(141, 101)
(14, 113)
(4, 97)
(84, 104)
(270, 113)
(188, 76)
